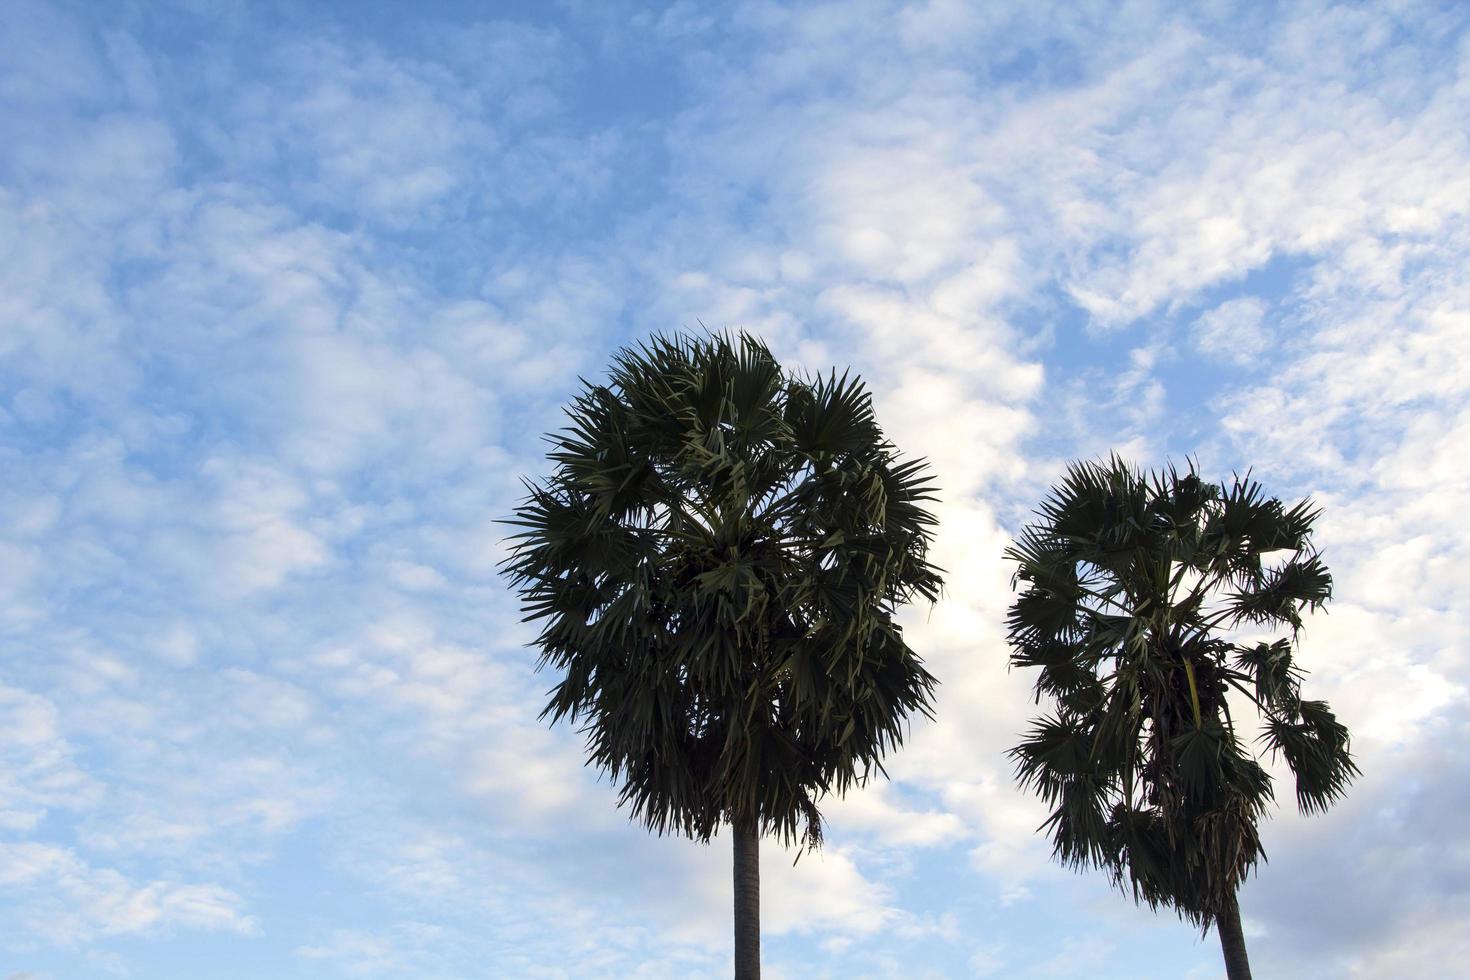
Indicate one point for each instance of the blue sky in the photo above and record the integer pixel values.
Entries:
(289, 292)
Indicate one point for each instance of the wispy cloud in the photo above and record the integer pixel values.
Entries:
(287, 304)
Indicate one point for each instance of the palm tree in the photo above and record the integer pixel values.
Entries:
(715, 563)
(1146, 598)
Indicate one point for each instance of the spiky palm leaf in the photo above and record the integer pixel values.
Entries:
(1134, 586)
(715, 563)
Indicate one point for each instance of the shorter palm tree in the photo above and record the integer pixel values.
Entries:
(1138, 592)
(715, 563)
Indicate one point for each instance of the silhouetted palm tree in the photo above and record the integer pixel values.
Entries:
(1144, 599)
(715, 563)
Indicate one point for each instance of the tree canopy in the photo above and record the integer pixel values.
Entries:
(715, 563)
(1152, 606)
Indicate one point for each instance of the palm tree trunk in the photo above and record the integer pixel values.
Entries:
(747, 901)
(1232, 942)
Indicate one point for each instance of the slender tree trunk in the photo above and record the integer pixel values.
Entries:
(747, 901)
(1232, 942)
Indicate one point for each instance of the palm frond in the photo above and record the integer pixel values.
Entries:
(1126, 581)
(715, 561)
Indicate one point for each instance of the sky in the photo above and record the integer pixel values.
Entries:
(289, 293)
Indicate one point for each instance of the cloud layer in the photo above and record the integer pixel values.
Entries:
(285, 306)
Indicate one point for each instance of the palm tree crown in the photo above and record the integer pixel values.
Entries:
(715, 563)
(1139, 591)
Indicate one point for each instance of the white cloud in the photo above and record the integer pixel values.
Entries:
(1234, 330)
(874, 810)
(365, 133)
(262, 540)
(823, 891)
(408, 949)
(1424, 950)
(67, 901)
(36, 767)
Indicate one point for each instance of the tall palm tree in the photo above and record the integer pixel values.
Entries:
(1145, 602)
(715, 563)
